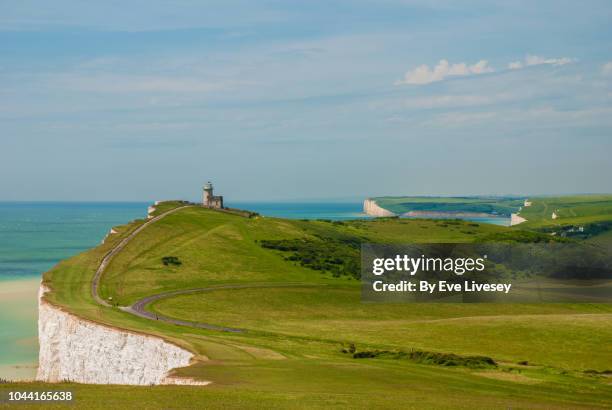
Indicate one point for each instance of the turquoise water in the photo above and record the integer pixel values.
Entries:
(305, 210)
(494, 220)
(33, 238)
(331, 210)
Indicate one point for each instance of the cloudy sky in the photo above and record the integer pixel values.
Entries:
(145, 100)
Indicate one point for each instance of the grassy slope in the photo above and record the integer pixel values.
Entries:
(291, 355)
(554, 335)
(503, 206)
(572, 210)
(218, 248)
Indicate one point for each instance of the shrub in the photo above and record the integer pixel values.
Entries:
(338, 256)
(520, 237)
(171, 260)
(433, 358)
(349, 349)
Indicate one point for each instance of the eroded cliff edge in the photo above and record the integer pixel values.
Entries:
(516, 219)
(78, 350)
(370, 207)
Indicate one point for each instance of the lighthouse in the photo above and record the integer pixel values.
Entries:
(209, 200)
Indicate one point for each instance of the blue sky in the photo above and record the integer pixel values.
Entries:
(145, 100)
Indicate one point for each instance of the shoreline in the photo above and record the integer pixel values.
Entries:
(450, 215)
(371, 208)
(516, 219)
(18, 328)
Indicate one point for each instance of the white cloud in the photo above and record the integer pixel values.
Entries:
(607, 68)
(423, 74)
(531, 60)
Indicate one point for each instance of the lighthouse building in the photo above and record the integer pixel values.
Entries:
(209, 200)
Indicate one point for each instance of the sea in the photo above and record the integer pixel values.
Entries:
(34, 236)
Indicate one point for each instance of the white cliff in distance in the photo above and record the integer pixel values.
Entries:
(370, 207)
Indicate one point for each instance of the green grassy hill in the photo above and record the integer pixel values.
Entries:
(310, 342)
(577, 216)
(490, 205)
(578, 210)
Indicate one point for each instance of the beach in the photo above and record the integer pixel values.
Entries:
(18, 334)
(34, 236)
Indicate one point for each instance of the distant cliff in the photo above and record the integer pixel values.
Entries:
(370, 207)
(515, 219)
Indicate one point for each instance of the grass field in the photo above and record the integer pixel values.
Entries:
(576, 210)
(490, 205)
(577, 216)
(291, 356)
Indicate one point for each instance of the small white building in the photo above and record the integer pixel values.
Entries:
(554, 215)
(527, 203)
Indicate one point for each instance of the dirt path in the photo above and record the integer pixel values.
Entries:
(95, 283)
(138, 308)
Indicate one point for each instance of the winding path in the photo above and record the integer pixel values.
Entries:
(95, 283)
(138, 308)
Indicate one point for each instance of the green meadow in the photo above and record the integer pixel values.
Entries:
(577, 210)
(485, 204)
(309, 341)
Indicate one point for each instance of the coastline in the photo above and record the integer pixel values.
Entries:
(87, 351)
(371, 208)
(448, 214)
(18, 334)
(516, 219)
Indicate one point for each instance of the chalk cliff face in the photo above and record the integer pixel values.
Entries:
(82, 351)
(370, 207)
(515, 219)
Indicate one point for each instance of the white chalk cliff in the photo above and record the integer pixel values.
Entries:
(82, 351)
(370, 207)
(516, 219)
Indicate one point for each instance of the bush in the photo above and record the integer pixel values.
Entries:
(171, 260)
(433, 358)
(450, 359)
(598, 373)
(349, 349)
(338, 256)
(520, 237)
